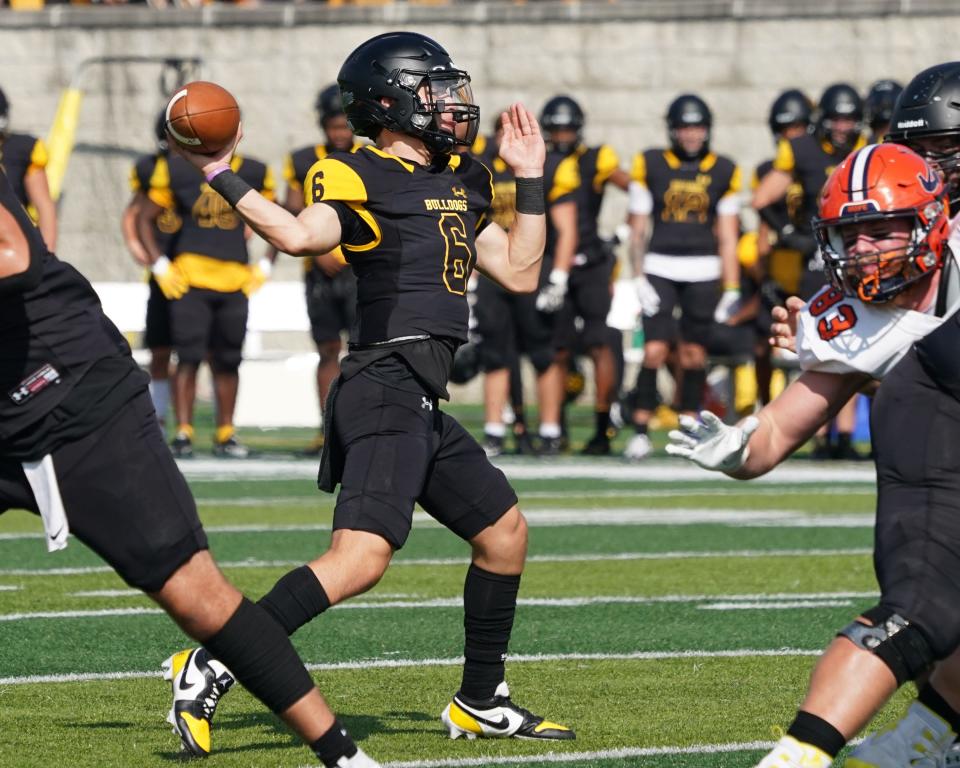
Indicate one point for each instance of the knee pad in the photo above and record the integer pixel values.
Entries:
(225, 360)
(492, 358)
(691, 389)
(595, 333)
(900, 645)
(646, 396)
(541, 358)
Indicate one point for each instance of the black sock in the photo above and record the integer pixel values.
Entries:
(489, 605)
(259, 654)
(640, 429)
(844, 440)
(935, 702)
(816, 732)
(333, 745)
(602, 420)
(295, 599)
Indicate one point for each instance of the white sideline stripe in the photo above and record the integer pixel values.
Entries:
(456, 602)
(107, 593)
(780, 606)
(658, 470)
(9, 588)
(584, 558)
(82, 677)
(579, 757)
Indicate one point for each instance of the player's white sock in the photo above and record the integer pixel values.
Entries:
(494, 428)
(550, 430)
(160, 395)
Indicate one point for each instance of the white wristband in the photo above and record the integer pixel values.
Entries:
(161, 266)
(559, 277)
(266, 266)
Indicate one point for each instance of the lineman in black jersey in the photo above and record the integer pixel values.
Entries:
(80, 446)
(413, 220)
(808, 160)
(330, 284)
(209, 282)
(157, 336)
(24, 158)
(684, 229)
(588, 296)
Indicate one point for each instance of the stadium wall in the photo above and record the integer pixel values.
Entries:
(623, 62)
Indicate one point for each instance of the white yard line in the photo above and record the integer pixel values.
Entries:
(460, 561)
(776, 606)
(579, 757)
(80, 677)
(657, 470)
(781, 600)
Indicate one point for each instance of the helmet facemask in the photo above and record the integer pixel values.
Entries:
(444, 114)
(878, 276)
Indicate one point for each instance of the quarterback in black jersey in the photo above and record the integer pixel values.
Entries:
(80, 446)
(413, 220)
(330, 284)
(24, 158)
(157, 337)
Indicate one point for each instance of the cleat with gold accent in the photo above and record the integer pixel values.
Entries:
(920, 739)
(198, 681)
(498, 718)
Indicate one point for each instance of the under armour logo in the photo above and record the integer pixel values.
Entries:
(426, 403)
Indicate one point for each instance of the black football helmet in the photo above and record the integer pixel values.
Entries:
(328, 103)
(4, 114)
(160, 131)
(839, 101)
(791, 107)
(878, 106)
(685, 111)
(418, 81)
(929, 108)
(558, 114)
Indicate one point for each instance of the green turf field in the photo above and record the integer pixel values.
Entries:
(671, 619)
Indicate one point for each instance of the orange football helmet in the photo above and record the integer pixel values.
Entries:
(882, 182)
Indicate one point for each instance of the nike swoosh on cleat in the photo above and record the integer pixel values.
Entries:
(503, 722)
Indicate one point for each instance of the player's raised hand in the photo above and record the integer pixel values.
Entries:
(521, 146)
(783, 330)
(207, 163)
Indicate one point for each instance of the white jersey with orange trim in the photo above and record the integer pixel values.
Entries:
(841, 334)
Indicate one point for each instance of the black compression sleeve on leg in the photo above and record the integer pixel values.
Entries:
(295, 599)
(691, 389)
(489, 605)
(646, 399)
(260, 656)
(816, 732)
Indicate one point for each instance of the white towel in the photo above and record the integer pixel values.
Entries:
(43, 480)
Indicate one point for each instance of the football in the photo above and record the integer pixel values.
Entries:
(202, 117)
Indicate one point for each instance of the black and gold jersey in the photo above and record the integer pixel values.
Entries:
(51, 336)
(810, 162)
(410, 238)
(211, 248)
(784, 265)
(596, 165)
(21, 154)
(296, 166)
(504, 208)
(685, 196)
(561, 184)
(168, 223)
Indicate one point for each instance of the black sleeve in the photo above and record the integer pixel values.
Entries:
(26, 280)
(353, 229)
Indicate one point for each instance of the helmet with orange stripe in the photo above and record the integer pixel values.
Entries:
(883, 222)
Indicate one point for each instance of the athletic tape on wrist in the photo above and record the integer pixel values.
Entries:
(530, 196)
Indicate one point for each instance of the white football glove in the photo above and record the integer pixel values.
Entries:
(647, 295)
(711, 443)
(551, 296)
(727, 306)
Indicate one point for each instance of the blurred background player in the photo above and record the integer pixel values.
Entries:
(507, 325)
(781, 260)
(157, 336)
(684, 227)
(208, 282)
(878, 107)
(809, 159)
(588, 293)
(329, 281)
(24, 158)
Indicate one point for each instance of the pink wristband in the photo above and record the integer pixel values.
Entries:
(216, 172)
